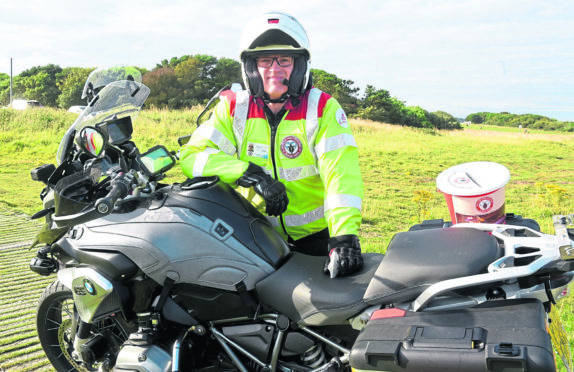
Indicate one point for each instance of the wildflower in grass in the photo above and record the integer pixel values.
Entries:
(421, 199)
(556, 196)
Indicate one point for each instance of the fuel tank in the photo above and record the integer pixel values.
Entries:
(200, 232)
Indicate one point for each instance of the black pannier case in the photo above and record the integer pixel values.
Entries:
(496, 336)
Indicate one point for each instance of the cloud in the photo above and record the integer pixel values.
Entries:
(456, 55)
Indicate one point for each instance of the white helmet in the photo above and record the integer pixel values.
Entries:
(271, 33)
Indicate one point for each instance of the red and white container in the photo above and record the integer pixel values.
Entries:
(475, 192)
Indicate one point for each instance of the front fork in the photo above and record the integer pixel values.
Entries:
(81, 336)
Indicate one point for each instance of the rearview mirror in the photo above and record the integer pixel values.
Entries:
(156, 160)
(183, 139)
(91, 141)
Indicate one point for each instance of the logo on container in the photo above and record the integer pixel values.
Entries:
(484, 204)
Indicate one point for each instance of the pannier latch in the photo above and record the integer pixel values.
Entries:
(506, 349)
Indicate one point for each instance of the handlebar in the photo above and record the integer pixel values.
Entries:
(120, 188)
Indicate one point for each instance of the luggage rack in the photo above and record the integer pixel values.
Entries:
(526, 251)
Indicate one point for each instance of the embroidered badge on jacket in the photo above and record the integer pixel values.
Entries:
(341, 118)
(291, 147)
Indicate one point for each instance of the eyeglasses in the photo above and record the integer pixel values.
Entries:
(265, 62)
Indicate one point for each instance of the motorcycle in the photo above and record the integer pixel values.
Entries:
(191, 277)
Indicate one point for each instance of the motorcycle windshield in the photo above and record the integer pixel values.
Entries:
(117, 100)
(103, 76)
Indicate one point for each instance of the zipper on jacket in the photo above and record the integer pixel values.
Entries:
(274, 121)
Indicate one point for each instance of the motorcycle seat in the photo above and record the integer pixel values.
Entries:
(417, 259)
(300, 290)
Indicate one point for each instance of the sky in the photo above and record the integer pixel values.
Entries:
(458, 56)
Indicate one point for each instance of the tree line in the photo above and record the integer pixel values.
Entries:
(191, 80)
(524, 121)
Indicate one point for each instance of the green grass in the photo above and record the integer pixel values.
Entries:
(399, 167)
(19, 346)
(397, 163)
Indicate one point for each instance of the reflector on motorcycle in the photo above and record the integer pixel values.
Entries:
(388, 313)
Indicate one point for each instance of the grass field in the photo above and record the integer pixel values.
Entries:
(399, 167)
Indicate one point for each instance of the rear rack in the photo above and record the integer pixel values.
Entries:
(526, 251)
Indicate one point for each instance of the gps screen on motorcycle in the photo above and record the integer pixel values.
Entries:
(156, 160)
(118, 130)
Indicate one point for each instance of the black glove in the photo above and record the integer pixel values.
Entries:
(271, 190)
(344, 256)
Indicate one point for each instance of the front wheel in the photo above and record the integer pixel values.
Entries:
(56, 322)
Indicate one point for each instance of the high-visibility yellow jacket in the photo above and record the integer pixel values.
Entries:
(311, 151)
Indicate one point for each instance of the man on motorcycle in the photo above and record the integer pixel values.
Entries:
(287, 145)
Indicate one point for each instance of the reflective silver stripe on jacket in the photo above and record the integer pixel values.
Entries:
(342, 200)
(312, 119)
(216, 137)
(201, 161)
(332, 202)
(306, 218)
(298, 173)
(298, 220)
(240, 117)
(273, 220)
(334, 143)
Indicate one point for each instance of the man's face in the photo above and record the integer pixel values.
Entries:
(273, 70)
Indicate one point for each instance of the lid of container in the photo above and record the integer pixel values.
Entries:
(472, 179)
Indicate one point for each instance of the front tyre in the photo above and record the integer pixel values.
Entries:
(56, 314)
(57, 321)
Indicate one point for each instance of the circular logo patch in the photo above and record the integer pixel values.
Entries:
(89, 286)
(484, 204)
(341, 118)
(291, 147)
(460, 180)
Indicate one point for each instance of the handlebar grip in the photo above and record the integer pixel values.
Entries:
(120, 189)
